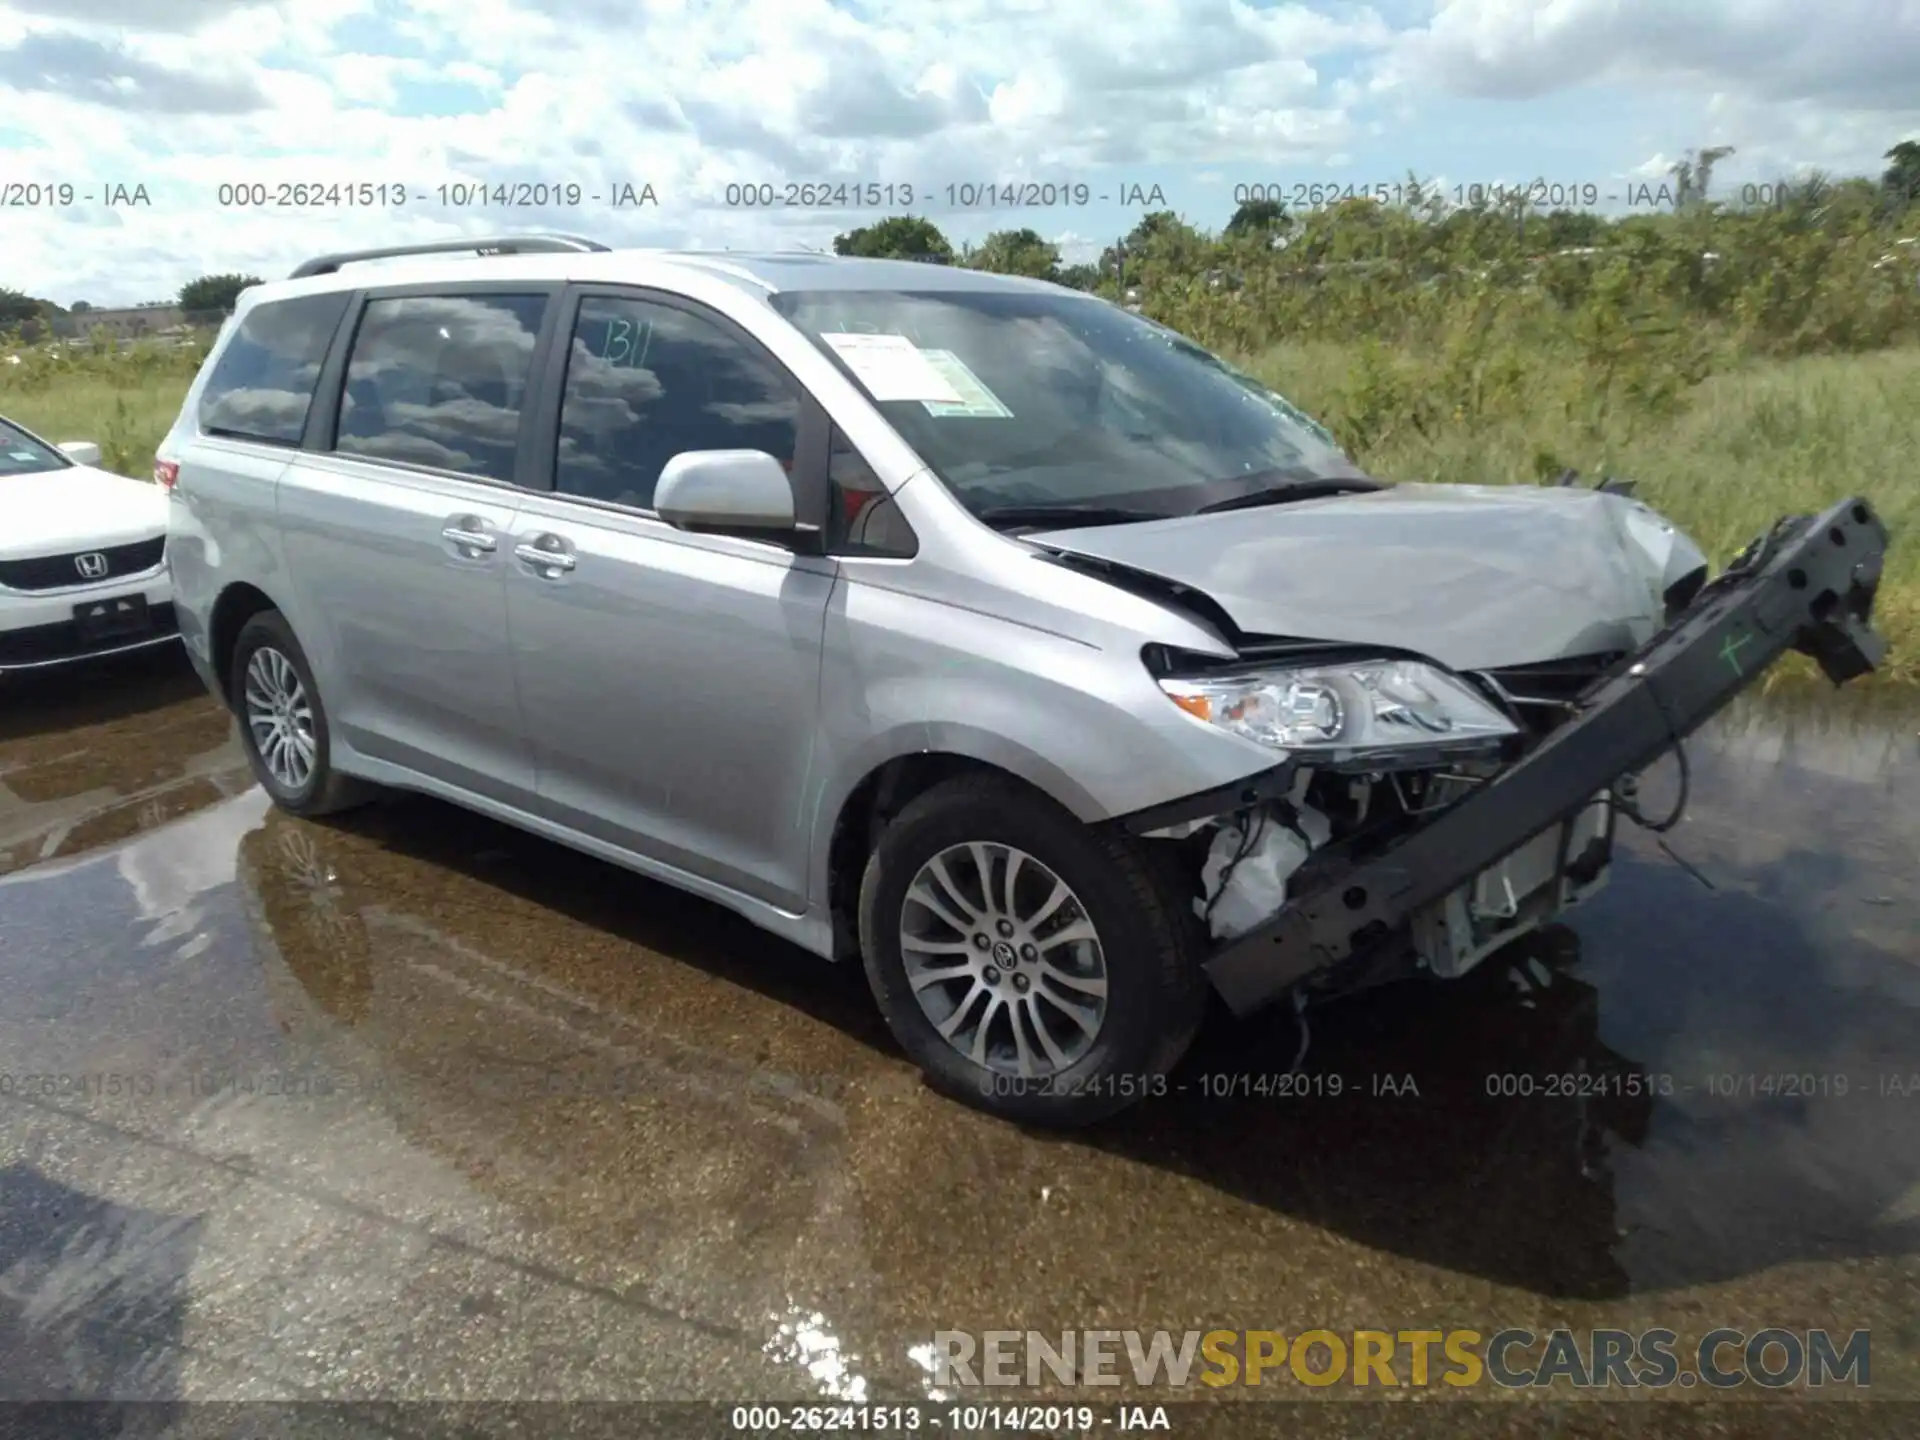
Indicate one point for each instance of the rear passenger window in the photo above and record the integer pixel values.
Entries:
(439, 380)
(646, 382)
(263, 382)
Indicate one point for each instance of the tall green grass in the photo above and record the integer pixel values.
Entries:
(127, 423)
(124, 400)
(1762, 439)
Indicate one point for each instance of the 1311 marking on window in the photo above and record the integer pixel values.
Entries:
(626, 343)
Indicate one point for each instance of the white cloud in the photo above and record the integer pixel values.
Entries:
(177, 15)
(1791, 87)
(1078, 249)
(187, 95)
(1860, 54)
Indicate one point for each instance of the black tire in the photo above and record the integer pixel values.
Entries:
(325, 790)
(1156, 991)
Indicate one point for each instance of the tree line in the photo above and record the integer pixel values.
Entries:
(204, 301)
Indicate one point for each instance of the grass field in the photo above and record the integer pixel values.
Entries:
(1764, 439)
(126, 421)
(1755, 440)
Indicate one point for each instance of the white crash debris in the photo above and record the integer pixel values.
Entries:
(1247, 868)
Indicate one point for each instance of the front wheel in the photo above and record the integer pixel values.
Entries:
(1031, 966)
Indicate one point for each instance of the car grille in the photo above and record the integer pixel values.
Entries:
(40, 643)
(59, 572)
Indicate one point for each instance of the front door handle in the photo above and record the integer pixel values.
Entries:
(545, 555)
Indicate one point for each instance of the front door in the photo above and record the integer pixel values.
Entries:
(670, 681)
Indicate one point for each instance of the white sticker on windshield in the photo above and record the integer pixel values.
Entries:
(892, 367)
(976, 400)
(21, 455)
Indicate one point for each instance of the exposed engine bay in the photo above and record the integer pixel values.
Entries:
(1246, 864)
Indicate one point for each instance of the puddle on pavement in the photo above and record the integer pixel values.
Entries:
(623, 1144)
(98, 753)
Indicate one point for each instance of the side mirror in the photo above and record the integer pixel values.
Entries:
(725, 490)
(81, 452)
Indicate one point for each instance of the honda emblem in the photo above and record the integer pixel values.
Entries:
(91, 565)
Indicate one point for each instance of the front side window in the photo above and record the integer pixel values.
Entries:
(262, 385)
(439, 380)
(646, 382)
(21, 454)
(1023, 402)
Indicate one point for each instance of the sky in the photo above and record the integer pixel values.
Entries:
(138, 137)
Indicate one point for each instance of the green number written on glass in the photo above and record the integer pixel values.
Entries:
(626, 344)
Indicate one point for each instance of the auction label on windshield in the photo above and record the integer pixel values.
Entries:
(892, 367)
(979, 403)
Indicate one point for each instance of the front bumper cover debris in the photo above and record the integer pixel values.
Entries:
(1808, 584)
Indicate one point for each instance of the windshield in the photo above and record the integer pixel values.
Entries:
(21, 454)
(1031, 400)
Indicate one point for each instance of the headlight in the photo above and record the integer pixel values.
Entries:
(1343, 711)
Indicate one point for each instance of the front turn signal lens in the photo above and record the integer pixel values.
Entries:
(1199, 706)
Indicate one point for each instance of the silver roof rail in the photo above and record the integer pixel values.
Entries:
(496, 245)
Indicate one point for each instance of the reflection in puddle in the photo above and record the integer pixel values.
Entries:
(93, 1295)
(96, 755)
(722, 1176)
(1781, 1003)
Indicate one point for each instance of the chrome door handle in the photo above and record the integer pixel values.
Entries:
(471, 539)
(543, 559)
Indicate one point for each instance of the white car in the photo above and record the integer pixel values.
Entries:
(82, 556)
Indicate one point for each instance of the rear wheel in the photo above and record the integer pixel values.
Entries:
(283, 725)
(1030, 966)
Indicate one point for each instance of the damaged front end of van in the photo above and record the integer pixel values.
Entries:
(1452, 767)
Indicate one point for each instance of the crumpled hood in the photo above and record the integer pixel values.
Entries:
(79, 508)
(1475, 576)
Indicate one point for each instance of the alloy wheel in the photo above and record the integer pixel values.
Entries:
(1004, 959)
(280, 718)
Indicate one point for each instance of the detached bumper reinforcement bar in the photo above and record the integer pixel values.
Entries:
(1807, 585)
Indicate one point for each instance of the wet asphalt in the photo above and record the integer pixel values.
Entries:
(408, 1105)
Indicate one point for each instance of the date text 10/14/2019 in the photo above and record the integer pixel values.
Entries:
(954, 195)
(448, 194)
(312, 195)
(962, 1419)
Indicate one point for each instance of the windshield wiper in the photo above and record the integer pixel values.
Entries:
(1305, 488)
(1063, 515)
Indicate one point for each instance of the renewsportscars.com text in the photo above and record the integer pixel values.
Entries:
(1774, 1358)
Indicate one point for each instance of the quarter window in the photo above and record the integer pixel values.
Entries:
(646, 382)
(866, 520)
(438, 380)
(262, 384)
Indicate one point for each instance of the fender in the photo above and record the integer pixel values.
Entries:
(972, 742)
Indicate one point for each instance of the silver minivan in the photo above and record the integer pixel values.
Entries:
(964, 625)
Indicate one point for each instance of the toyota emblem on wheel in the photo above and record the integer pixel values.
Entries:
(91, 565)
